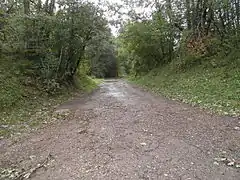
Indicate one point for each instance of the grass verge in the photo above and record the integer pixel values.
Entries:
(25, 106)
(216, 89)
(32, 112)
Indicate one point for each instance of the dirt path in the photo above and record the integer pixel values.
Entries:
(121, 133)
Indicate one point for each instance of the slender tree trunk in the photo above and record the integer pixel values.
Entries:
(70, 60)
(39, 6)
(79, 60)
(193, 11)
(204, 15)
(170, 16)
(237, 6)
(46, 6)
(188, 14)
(196, 20)
(52, 7)
(2, 19)
(60, 62)
(26, 4)
(26, 7)
(210, 18)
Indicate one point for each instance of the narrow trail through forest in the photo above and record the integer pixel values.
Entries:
(122, 132)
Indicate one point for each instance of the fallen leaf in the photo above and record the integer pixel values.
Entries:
(220, 159)
(237, 128)
(32, 157)
(230, 164)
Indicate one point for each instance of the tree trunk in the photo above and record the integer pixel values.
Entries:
(237, 4)
(52, 7)
(204, 15)
(26, 4)
(188, 14)
(171, 42)
(78, 61)
(39, 6)
(26, 7)
(46, 6)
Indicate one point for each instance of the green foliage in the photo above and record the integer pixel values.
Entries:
(55, 42)
(10, 86)
(86, 83)
(145, 45)
(26, 103)
(103, 62)
(31, 111)
(185, 33)
(23, 102)
(21, 97)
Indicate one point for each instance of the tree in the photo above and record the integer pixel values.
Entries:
(178, 29)
(55, 41)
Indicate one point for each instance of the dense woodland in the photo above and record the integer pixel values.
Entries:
(60, 36)
(57, 38)
(185, 32)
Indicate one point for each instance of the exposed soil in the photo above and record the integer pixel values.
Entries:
(122, 132)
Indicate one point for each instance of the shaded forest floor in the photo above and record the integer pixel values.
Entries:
(122, 132)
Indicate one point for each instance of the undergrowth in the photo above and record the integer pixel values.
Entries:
(213, 88)
(23, 102)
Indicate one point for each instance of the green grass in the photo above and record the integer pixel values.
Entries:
(216, 89)
(11, 89)
(24, 105)
(86, 83)
(29, 114)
